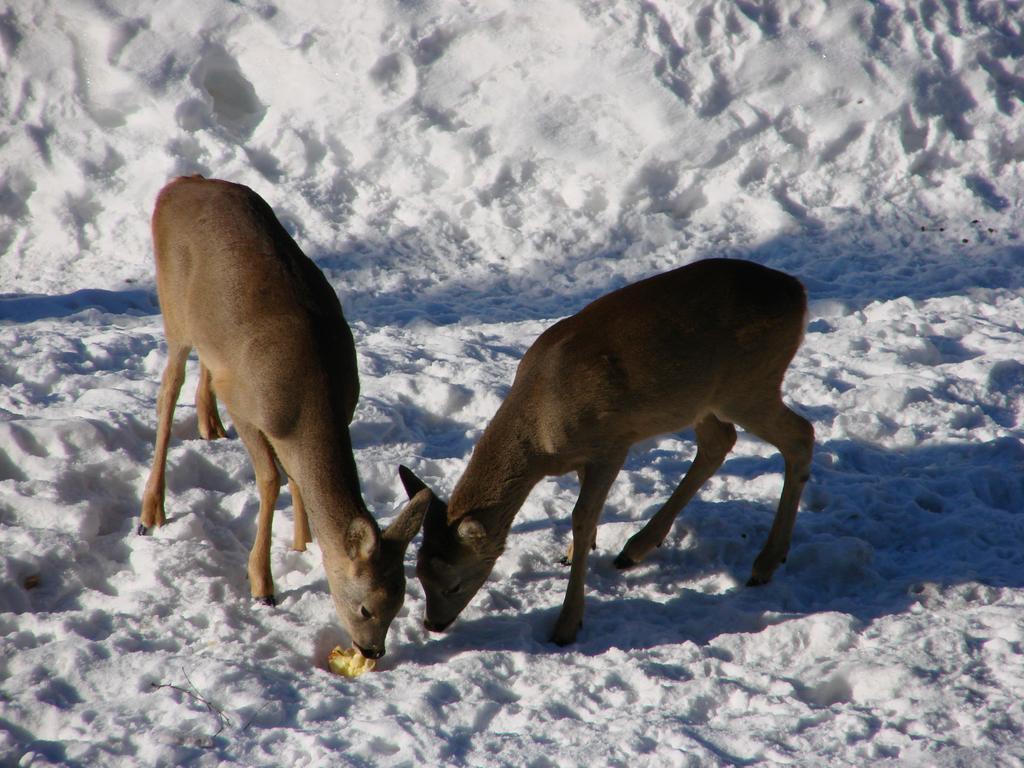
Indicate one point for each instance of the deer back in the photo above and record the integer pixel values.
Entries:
(654, 356)
(234, 284)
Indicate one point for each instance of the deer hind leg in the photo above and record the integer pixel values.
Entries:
(268, 483)
(210, 426)
(170, 388)
(793, 435)
(597, 480)
(302, 536)
(714, 441)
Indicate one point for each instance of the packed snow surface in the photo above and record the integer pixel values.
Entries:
(466, 172)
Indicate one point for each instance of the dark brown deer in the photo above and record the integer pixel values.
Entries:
(274, 346)
(706, 345)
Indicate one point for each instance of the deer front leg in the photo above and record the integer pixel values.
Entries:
(210, 426)
(170, 387)
(302, 535)
(594, 490)
(567, 559)
(268, 482)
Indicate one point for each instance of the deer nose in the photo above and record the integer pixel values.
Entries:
(371, 653)
(436, 626)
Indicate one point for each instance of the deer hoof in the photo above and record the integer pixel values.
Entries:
(213, 432)
(758, 581)
(623, 562)
(561, 640)
(142, 530)
(266, 600)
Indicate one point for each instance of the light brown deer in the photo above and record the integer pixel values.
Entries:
(275, 347)
(705, 345)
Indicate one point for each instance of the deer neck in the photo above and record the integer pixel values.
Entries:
(318, 457)
(501, 473)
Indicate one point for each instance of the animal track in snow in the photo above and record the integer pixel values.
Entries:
(395, 77)
(838, 146)
(228, 95)
(948, 98)
(655, 31)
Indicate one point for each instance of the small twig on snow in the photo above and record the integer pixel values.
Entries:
(193, 692)
(254, 716)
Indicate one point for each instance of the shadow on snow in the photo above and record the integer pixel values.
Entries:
(27, 308)
(877, 530)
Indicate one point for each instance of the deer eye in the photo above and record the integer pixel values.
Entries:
(454, 590)
(365, 613)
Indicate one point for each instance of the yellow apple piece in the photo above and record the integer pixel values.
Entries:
(349, 662)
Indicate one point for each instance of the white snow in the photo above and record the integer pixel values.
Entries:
(466, 172)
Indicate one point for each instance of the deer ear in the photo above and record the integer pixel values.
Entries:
(362, 541)
(472, 532)
(435, 513)
(413, 484)
(405, 526)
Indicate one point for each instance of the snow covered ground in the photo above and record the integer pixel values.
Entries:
(466, 172)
